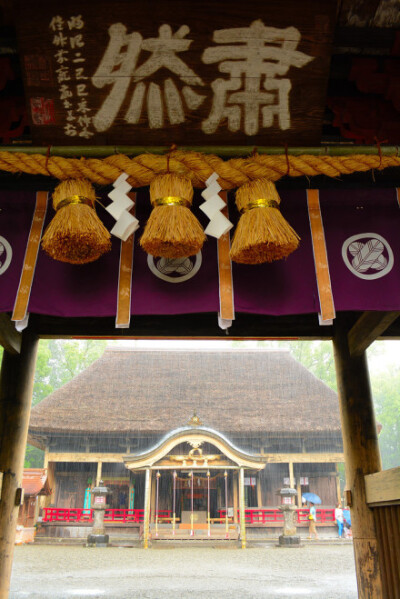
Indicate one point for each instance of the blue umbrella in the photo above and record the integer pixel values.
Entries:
(312, 498)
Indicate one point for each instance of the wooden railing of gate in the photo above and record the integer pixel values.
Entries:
(383, 497)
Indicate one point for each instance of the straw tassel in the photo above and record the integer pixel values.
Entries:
(262, 234)
(76, 234)
(172, 230)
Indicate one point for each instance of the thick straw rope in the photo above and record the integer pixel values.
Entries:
(196, 166)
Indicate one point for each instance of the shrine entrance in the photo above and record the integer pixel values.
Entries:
(194, 486)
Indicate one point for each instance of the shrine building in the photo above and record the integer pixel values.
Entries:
(261, 416)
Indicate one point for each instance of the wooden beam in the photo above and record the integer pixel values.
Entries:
(383, 487)
(10, 339)
(362, 457)
(16, 385)
(270, 458)
(303, 458)
(182, 326)
(85, 457)
(368, 328)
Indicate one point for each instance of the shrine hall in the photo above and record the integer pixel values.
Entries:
(233, 457)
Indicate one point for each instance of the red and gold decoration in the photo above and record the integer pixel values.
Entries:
(172, 230)
(76, 234)
(262, 234)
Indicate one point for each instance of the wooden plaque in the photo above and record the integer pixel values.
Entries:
(157, 72)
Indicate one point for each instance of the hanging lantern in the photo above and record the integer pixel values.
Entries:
(172, 230)
(262, 233)
(76, 234)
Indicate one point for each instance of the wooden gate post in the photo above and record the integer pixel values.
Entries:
(361, 451)
(146, 519)
(242, 509)
(16, 384)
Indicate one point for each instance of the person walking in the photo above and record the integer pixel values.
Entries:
(312, 518)
(339, 519)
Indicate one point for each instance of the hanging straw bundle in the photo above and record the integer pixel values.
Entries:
(262, 234)
(172, 230)
(76, 234)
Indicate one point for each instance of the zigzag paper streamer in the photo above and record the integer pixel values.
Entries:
(119, 209)
(219, 224)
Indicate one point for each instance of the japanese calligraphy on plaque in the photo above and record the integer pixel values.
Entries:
(162, 72)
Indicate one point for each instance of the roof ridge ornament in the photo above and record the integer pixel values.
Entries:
(195, 420)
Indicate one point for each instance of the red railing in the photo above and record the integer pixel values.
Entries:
(54, 514)
(262, 516)
(265, 516)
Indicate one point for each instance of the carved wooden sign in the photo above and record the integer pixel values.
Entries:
(147, 72)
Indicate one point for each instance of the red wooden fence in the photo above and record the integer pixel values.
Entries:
(265, 516)
(261, 516)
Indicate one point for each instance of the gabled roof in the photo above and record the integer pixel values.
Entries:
(156, 391)
(194, 436)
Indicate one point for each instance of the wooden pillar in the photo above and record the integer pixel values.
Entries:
(338, 493)
(242, 508)
(146, 524)
(299, 500)
(16, 384)
(259, 495)
(235, 496)
(152, 499)
(362, 457)
(291, 475)
(99, 473)
(47, 500)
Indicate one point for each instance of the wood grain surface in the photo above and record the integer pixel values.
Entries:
(243, 71)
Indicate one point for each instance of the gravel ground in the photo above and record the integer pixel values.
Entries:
(62, 572)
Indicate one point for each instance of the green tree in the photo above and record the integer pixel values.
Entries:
(316, 356)
(58, 361)
(386, 392)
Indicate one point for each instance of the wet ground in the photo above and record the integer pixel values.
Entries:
(61, 572)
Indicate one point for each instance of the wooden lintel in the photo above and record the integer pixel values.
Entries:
(85, 457)
(295, 458)
(368, 328)
(10, 339)
(383, 487)
(303, 458)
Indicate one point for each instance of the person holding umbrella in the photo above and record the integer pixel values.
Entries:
(312, 529)
(312, 498)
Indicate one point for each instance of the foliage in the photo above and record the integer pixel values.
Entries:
(58, 361)
(317, 357)
(386, 391)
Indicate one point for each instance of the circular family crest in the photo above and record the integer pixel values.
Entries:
(368, 256)
(5, 255)
(175, 270)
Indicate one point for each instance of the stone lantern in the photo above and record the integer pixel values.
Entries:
(98, 537)
(288, 537)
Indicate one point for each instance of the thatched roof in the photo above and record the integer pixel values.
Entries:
(149, 391)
